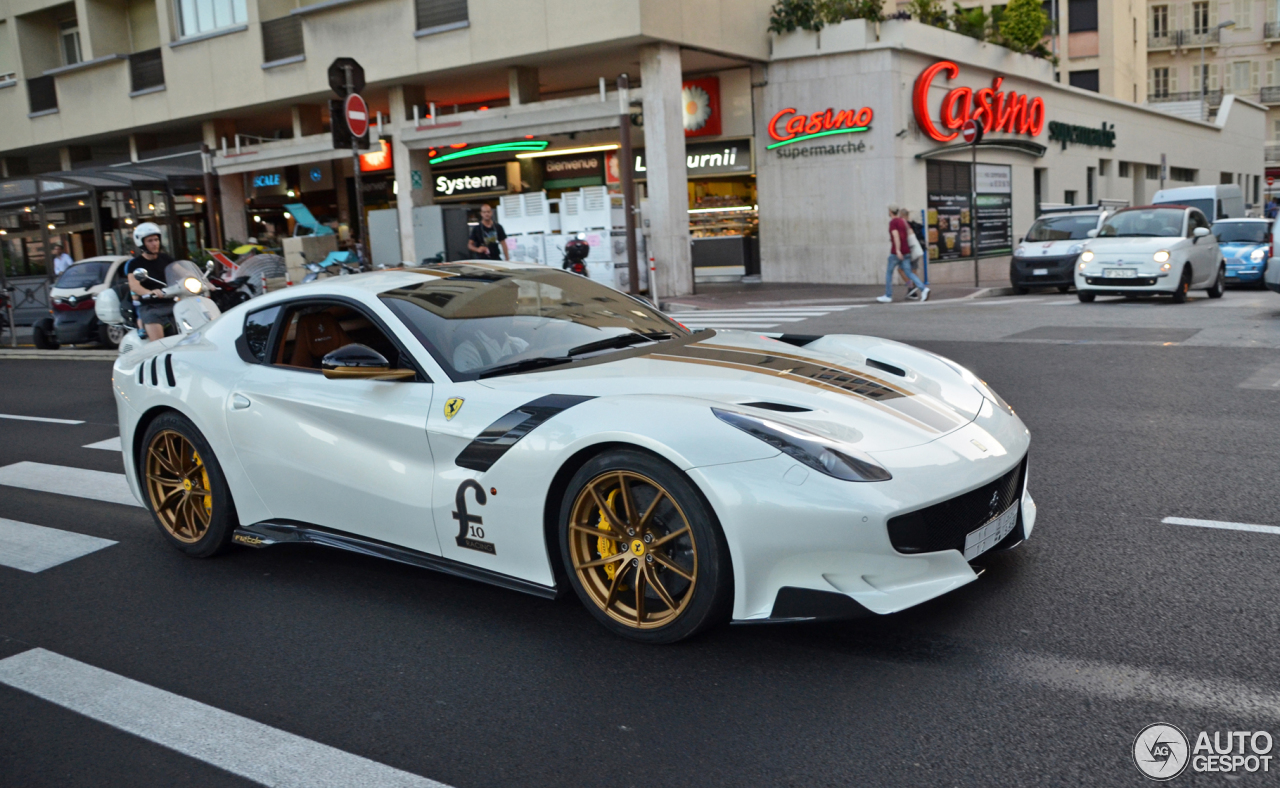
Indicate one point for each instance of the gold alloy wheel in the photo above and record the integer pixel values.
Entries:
(633, 549)
(178, 486)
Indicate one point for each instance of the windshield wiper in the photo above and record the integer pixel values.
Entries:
(619, 341)
(524, 365)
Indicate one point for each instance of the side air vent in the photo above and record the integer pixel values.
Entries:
(155, 379)
(142, 369)
(778, 406)
(891, 369)
(799, 340)
(168, 370)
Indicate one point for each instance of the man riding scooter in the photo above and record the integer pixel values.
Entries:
(151, 263)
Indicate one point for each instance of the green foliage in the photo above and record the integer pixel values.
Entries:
(834, 11)
(928, 12)
(1023, 25)
(788, 15)
(971, 22)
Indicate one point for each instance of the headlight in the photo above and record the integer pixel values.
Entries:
(1161, 256)
(817, 452)
(1166, 266)
(192, 285)
(1076, 249)
(1021, 251)
(1258, 255)
(1086, 256)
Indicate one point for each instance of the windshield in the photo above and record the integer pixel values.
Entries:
(1063, 228)
(178, 270)
(1144, 222)
(478, 321)
(1205, 205)
(1242, 232)
(84, 274)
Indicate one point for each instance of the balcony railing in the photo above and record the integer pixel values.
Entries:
(1213, 97)
(1168, 39)
(282, 39)
(146, 70)
(1271, 30)
(1270, 95)
(42, 95)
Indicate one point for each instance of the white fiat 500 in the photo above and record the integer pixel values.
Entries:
(1152, 249)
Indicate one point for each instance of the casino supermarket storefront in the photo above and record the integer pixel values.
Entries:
(846, 131)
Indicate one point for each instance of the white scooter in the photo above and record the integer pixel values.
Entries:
(185, 285)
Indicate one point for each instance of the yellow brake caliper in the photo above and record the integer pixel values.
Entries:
(204, 478)
(607, 547)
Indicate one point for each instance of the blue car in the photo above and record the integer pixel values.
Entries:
(1246, 244)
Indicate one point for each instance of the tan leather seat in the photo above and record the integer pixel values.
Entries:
(318, 335)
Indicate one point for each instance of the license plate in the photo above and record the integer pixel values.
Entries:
(1119, 273)
(1040, 272)
(989, 535)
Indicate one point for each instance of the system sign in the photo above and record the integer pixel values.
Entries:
(470, 183)
(995, 109)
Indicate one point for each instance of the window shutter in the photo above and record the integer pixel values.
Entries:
(1173, 79)
(1151, 84)
(1213, 76)
(1271, 10)
(1257, 74)
(1213, 16)
(1246, 14)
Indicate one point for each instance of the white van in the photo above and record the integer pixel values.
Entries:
(1223, 201)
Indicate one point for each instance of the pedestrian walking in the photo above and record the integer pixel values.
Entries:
(916, 256)
(61, 260)
(487, 237)
(899, 257)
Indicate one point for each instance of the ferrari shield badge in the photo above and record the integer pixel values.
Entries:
(451, 407)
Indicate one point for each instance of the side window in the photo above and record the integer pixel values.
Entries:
(311, 331)
(257, 333)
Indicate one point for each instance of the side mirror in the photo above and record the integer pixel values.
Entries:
(1021, 238)
(1200, 232)
(362, 363)
(1092, 234)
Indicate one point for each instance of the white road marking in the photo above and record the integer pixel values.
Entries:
(60, 479)
(754, 318)
(39, 418)
(110, 444)
(1267, 379)
(228, 741)
(35, 548)
(1257, 529)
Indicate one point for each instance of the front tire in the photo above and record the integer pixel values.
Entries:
(643, 549)
(1219, 285)
(1184, 285)
(43, 336)
(185, 488)
(1086, 297)
(109, 335)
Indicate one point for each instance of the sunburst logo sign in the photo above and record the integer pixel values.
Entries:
(700, 101)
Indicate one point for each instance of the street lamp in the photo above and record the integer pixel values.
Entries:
(1204, 78)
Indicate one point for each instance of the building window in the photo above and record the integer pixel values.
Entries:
(440, 15)
(1160, 82)
(1082, 16)
(1226, 178)
(1200, 18)
(1159, 21)
(1090, 178)
(1087, 80)
(1242, 14)
(1182, 174)
(1153, 172)
(1240, 76)
(1069, 197)
(1275, 130)
(205, 16)
(1104, 166)
(69, 32)
(1124, 169)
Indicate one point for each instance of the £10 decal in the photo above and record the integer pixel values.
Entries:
(787, 127)
(997, 110)
(471, 526)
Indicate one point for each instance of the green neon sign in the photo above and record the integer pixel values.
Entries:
(501, 147)
(819, 134)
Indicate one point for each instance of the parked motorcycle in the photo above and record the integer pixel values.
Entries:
(576, 250)
(185, 286)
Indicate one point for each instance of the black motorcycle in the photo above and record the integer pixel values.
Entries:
(576, 250)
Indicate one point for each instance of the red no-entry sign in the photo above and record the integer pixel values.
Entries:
(1271, 179)
(357, 114)
(971, 131)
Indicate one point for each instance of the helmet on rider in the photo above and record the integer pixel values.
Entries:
(144, 231)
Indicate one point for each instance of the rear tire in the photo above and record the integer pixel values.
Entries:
(1184, 285)
(109, 335)
(1064, 288)
(43, 336)
(185, 488)
(1086, 297)
(1219, 285)
(671, 576)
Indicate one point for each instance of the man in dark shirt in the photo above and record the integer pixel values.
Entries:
(150, 260)
(487, 237)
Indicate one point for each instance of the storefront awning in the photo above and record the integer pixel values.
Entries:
(1017, 146)
(58, 185)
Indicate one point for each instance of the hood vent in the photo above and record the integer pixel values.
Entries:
(883, 367)
(778, 406)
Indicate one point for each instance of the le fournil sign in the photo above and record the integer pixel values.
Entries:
(1104, 137)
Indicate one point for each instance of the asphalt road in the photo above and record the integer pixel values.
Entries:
(1042, 672)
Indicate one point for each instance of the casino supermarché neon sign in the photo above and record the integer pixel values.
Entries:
(999, 111)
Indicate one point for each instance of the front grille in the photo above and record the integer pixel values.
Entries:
(1031, 263)
(1102, 281)
(944, 526)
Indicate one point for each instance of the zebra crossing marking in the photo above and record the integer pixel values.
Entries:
(16, 417)
(35, 548)
(64, 480)
(110, 444)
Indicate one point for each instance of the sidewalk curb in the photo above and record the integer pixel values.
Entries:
(989, 292)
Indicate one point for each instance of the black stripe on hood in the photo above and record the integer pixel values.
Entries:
(489, 446)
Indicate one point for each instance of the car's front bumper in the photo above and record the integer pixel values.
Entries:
(1242, 275)
(75, 328)
(796, 537)
(1271, 277)
(1042, 271)
(1093, 280)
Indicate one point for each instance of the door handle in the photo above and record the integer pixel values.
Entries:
(239, 402)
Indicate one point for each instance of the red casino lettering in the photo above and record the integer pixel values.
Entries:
(786, 124)
(1009, 112)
